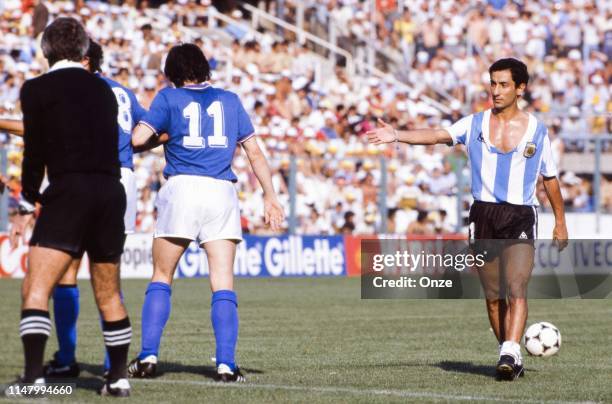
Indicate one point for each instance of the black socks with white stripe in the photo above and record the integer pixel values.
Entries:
(117, 337)
(34, 329)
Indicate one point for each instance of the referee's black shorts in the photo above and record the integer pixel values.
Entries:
(501, 221)
(83, 213)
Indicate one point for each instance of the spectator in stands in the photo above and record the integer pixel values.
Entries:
(421, 226)
(404, 32)
(322, 119)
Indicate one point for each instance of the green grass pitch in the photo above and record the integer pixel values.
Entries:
(315, 340)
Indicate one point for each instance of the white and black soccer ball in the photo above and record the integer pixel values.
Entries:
(542, 339)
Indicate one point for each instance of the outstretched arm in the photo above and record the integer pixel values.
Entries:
(12, 126)
(273, 212)
(553, 192)
(387, 134)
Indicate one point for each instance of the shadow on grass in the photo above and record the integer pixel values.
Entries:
(467, 367)
(208, 372)
(91, 383)
(96, 370)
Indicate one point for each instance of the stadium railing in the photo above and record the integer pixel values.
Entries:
(353, 65)
(378, 162)
(302, 36)
(3, 191)
(215, 16)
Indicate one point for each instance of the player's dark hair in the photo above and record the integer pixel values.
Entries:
(64, 38)
(517, 68)
(95, 54)
(186, 62)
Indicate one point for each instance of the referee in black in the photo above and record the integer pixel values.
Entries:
(70, 123)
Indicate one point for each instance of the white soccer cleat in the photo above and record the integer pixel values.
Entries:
(120, 388)
(226, 375)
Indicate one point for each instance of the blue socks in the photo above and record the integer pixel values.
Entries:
(224, 318)
(66, 313)
(155, 314)
(223, 315)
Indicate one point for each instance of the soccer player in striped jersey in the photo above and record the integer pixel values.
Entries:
(199, 201)
(508, 150)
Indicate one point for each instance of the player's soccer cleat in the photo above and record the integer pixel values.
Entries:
(17, 389)
(519, 371)
(120, 388)
(508, 369)
(225, 374)
(53, 369)
(143, 369)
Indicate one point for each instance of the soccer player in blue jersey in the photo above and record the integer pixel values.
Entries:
(198, 202)
(66, 293)
(508, 150)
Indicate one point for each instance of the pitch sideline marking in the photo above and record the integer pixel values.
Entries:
(378, 392)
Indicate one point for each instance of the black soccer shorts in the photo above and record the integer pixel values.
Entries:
(83, 213)
(501, 221)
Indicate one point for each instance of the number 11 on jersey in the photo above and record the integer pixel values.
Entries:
(193, 114)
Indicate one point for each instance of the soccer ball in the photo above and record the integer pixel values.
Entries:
(542, 339)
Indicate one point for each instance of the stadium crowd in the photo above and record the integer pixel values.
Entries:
(304, 110)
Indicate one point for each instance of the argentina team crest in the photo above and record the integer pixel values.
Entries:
(530, 149)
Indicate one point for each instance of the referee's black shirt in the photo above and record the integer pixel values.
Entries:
(70, 123)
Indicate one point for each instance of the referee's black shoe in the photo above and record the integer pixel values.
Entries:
(143, 369)
(54, 369)
(508, 369)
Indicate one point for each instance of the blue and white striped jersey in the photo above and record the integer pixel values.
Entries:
(504, 177)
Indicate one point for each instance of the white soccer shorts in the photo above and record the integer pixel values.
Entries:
(128, 179)
(198, 208)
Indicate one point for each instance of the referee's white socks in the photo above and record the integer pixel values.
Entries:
(513, 349)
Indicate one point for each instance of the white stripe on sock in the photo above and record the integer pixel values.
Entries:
(116, 332)
(34, 331)
(30, 319)
(37, 325)
(118, 337)
(125, 341)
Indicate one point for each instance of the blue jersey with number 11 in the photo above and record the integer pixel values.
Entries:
(204, 125)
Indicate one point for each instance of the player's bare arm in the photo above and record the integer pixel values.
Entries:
(553, 192)
(273, 211)
(141, 135)
(387, 134)
(12, 126)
